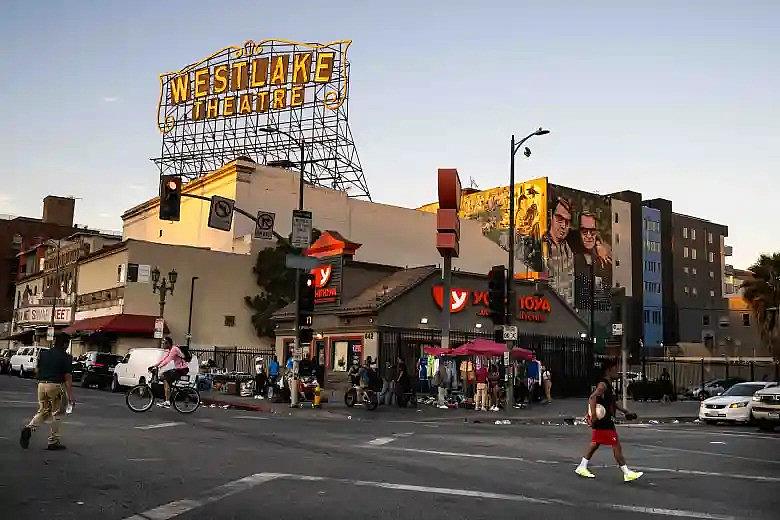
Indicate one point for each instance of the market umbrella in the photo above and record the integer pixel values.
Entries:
(436, 351)
(485, 347)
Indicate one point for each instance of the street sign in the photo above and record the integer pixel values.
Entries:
(510, 332)
(50, 334)
(264, 229)
(144, 273)
(301, 229)
(617, 329)
(159, 327)
(221, 213)
(307, 263)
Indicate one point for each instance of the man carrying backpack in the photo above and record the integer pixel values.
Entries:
(180, 359)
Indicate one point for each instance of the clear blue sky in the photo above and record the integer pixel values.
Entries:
(673, 99)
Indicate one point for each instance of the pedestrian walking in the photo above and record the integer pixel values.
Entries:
(467, 377)
(441, 380)
(401, 380)
(494, 380)
(55, 385)
(388, 384)
(547, 382)
(273, 369)
(480, 401)
(601, 411)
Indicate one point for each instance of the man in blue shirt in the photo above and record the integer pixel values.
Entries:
(273, 369)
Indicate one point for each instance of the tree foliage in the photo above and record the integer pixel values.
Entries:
(762, 294)
(276, 282)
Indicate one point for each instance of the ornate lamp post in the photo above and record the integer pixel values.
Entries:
(163, 286)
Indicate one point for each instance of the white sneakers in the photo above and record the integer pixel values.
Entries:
(164, 404)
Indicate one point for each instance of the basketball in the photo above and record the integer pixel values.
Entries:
(600, 411)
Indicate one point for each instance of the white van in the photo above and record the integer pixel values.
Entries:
(134, 368)
(25, 361)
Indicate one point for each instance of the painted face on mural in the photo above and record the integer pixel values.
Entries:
(588, 231)
(561, 221)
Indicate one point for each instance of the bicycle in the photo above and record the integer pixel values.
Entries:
(184, 398)
(370, 400)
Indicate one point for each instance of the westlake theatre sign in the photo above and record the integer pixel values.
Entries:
(261, 100)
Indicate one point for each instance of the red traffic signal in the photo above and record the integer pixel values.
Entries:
(170, 197)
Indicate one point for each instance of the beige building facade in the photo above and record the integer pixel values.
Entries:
(388, 234)
(116, 282)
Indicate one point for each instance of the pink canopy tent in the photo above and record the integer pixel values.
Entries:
(484, 347)
(436, 351)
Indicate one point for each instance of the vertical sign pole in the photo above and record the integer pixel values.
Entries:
(446, 301)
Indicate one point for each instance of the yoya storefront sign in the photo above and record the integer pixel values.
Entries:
(529, 308)
(42, 315)
(324, 292)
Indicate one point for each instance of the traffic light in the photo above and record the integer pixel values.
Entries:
(305, 298)
(497, 294)
(306, 289)
(170, 197)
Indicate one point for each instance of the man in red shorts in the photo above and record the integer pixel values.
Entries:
(604, 431)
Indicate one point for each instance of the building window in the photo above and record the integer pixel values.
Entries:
(656, 317)
(685, 232)
(745, 319)
(616, 218)
(693, 253)
(230, 321)
(685, 252)
(705, 320)
(647, 316)
(712, 256)
(685, 289)
(617, 238)
(685, 269)
(709, 238)
(712, 275)
(694, 272)
(712, 294)
(693, 234)
(617, 263)
(694, 291)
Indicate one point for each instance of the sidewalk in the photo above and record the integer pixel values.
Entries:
(558, 412)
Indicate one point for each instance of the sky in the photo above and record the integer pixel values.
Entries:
(679, 100)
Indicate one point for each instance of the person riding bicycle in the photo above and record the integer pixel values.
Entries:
(180, 367)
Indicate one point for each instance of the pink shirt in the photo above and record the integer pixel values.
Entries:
(176, 356)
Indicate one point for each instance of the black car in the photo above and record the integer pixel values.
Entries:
(5, 360)
(95, 368)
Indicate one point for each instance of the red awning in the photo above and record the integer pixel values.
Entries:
(130, 324)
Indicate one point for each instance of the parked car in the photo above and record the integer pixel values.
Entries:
(5, 360)
(715, 387)
(733, 405)
(25, 362)
(77, 367)
(766, 407)
(98, 369)
(133, 369)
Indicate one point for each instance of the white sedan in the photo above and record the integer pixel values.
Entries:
(733, 405)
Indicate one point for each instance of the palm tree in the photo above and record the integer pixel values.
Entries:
(762, 294)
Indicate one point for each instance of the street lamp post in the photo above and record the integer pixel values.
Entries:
(164, 287)
(189, 319)
(510, 273)
(302, 145)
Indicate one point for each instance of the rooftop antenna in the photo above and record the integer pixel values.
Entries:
(473, 183)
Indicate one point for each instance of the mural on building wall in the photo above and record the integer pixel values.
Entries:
(491, 209)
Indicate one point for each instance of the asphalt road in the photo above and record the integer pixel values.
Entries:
(225, 464)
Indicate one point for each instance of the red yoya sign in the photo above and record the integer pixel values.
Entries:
(322, 276)
(529, 308)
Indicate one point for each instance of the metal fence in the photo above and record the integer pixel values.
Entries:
(569, 360)
(688, 374)
(233, 359)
